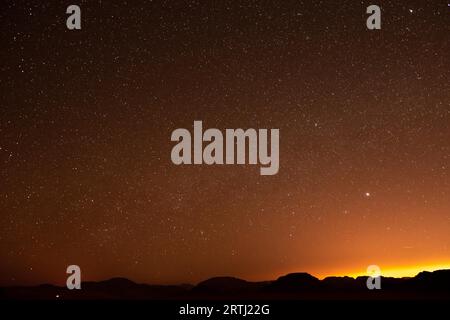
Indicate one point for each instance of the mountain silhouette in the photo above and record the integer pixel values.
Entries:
(295, 282)
(425, 285)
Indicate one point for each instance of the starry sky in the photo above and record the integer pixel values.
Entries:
(86, 118)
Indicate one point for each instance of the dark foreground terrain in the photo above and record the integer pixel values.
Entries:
(425, 286)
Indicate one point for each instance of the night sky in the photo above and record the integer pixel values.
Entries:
(86, 118)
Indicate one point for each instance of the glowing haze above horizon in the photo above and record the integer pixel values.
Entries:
(86, 119)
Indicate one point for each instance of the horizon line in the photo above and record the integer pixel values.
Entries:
(390, 273)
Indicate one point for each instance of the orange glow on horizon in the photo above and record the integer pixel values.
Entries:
(396, 271)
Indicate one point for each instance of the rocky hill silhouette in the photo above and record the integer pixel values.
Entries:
(425, 285)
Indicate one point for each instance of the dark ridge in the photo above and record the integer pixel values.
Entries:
(340, 283)
(295, 282)
(426, 285)
(226, 285)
